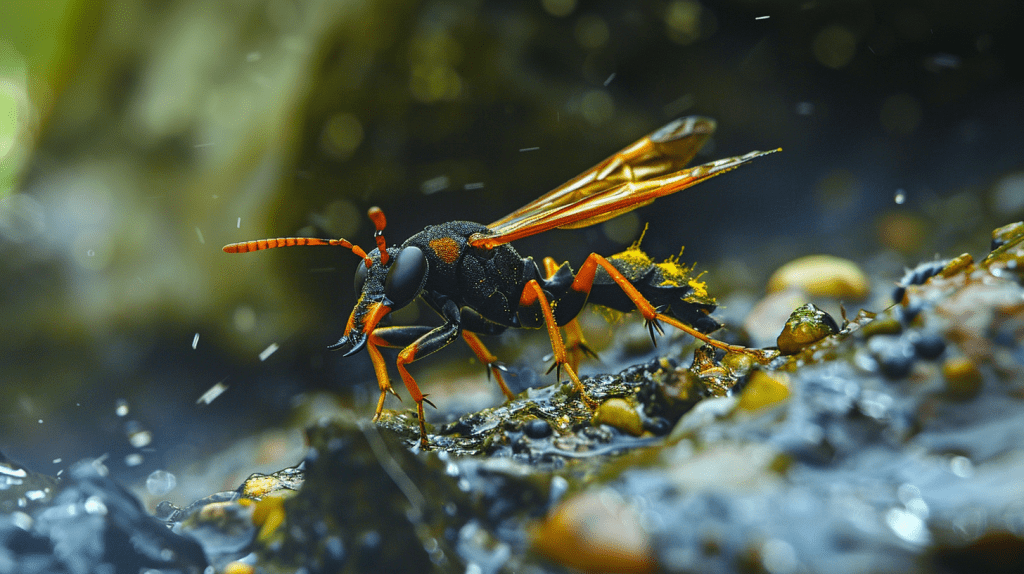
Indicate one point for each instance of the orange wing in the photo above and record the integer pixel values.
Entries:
(632, 178)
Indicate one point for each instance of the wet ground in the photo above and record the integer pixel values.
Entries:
(884, 442)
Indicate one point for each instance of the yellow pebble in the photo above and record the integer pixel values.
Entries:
(619, 414)
(239, 568)
(822, 276)
(763, 390)
(596, 532)
(963, 379)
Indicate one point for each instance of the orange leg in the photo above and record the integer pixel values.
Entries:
(575, 344)
(533, 294)
(489, 361)
(585, 279)
(380, 369)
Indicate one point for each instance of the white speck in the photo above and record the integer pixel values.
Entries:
(253, 57)
(60, 472)
(900, 197)
(195, 341)
(15, 472)
(804, 108)
(58, 460)
(476, 185)
(35, 495)
(762, 17)
(212, 393)
(133, 459)
(94, 505)
(434, 185)
(140, 438)
(609, 80)
(160, 482)
(961, 466)
(22, 520)
(40, 421)
(270, 350)
(121, 408)
(529, 148)
(200, 234)
(907, 526)
(239, 224)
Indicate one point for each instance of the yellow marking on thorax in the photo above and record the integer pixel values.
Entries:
(446, 248)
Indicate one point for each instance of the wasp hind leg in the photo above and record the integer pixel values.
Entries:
(654, 317)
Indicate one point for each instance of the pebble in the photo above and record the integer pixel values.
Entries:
(596, 531)
(822, 276)
(620, 414)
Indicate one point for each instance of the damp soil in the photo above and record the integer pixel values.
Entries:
(888, 441)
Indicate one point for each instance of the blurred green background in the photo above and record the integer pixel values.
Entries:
(137, 138)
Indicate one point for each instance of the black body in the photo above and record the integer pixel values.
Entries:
(479, 290)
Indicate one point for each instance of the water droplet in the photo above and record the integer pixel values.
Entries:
(961, 466)
(94, 505)
(907, 526)
(160, 482)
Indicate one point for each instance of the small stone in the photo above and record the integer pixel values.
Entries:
(822, 276)
(596, 532)
(807, 325)
(537, 428)
(928, 346)
(618, 413)
(763, 390)
(963, 378)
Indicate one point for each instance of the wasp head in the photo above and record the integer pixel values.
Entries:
(384, 284)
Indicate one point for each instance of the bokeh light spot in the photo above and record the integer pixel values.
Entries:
(559, 7)
(834, 46)
(342, 135)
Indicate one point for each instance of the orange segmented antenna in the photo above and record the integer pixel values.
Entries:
(377, 217)
(261, 244)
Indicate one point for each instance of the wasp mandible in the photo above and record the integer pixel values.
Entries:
(479, 285)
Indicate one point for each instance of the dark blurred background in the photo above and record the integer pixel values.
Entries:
(137, 138)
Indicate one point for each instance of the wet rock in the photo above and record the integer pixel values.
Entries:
(88, 523)
(823, 276)
(808, 324)
(620, 414)
(596, 531)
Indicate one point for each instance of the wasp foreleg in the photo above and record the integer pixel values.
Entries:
(395, 337)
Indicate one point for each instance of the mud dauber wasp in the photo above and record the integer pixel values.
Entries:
(470, 275)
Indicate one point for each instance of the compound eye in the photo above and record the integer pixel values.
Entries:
(360, 277)
(406, 276)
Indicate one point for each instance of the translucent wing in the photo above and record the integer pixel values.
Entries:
(633, 177)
